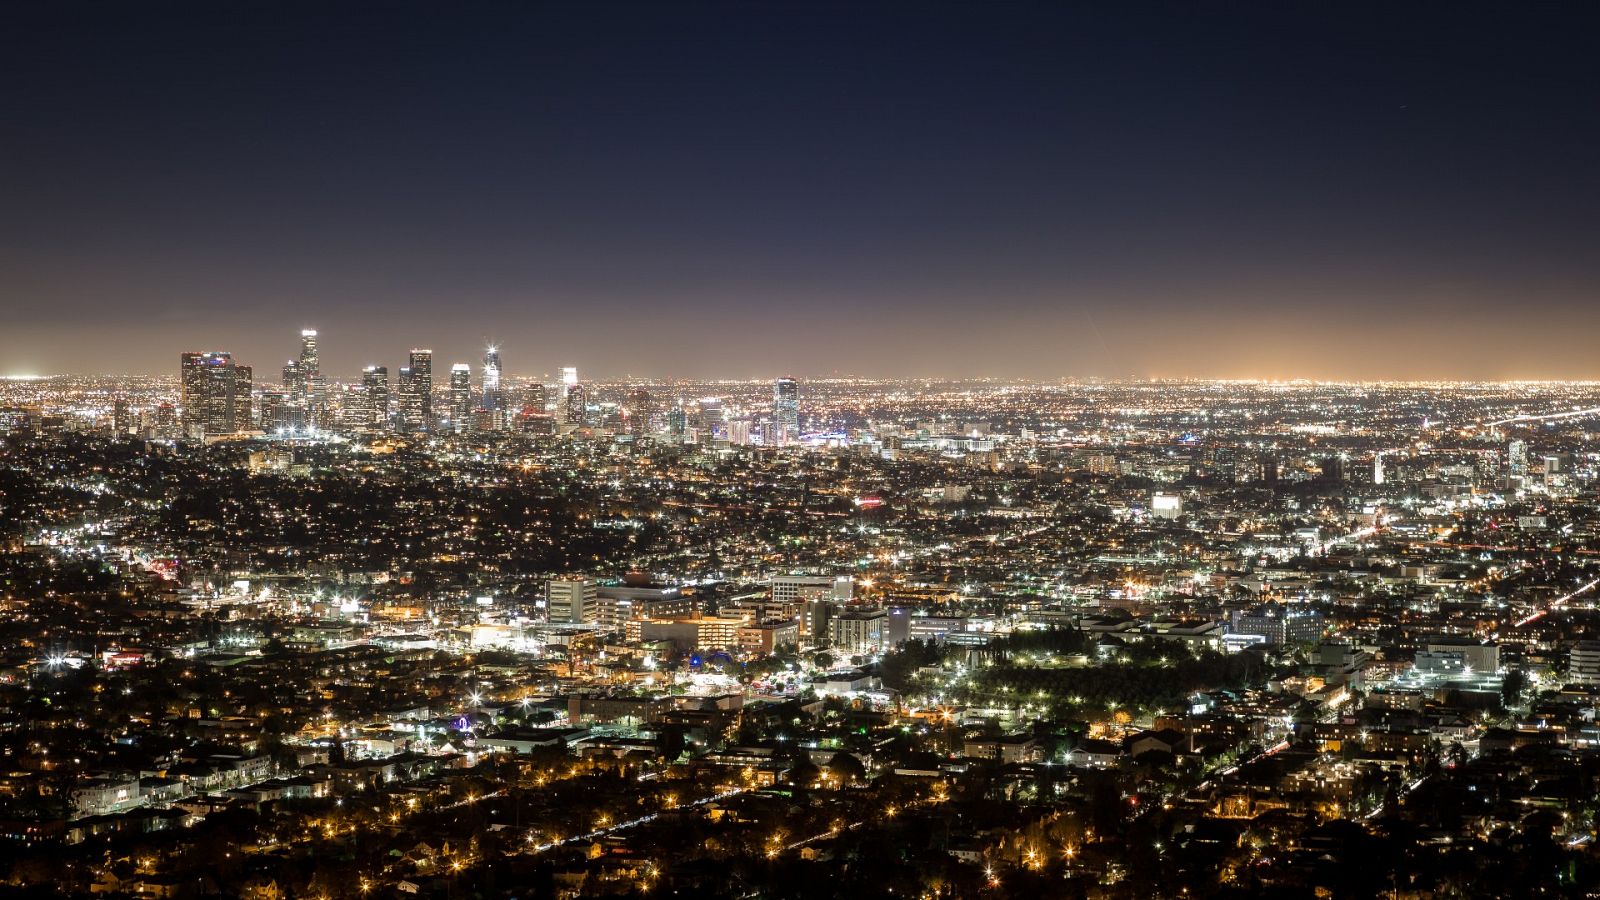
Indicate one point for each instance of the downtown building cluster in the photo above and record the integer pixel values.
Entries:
(219, 398)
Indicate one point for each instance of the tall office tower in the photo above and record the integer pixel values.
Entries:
(279, 413)
(416, 392)
(460, 397)
(641, 408)
(244, 412)
(533, 399)
(572, 601)
(1517, 458)
(577, 400)
(1378, 476)
(209, 381)
(313, 389)
(491, 380)
(677, 421)
(310, 363)
(121, 417)
(375, 395)
(786, 411)
(294, 379)
(569, 376)
(711, 419)
(166, 422)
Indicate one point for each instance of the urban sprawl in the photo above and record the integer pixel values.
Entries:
(489, 635)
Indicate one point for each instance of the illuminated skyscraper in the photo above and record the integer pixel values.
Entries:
(211, 388)
(577, 399)
(491, 380)
(313, 388)
(121, 417)
(711, 419)
(244, 378)
(677, 421)
(1517, 458)
(533, 402)
(294, 380)
(310, 363)
(573, 399)
(416, 392)
(641, 408)
(461, 395)
(375, 395)
(786, 411)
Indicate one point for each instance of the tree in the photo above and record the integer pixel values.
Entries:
(847, 768)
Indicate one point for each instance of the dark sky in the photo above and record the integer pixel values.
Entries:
(747, 189)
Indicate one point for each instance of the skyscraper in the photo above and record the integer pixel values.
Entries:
(314, 390)
(577, 411)
(375, 395)
(1517, 457)
(294, 380)
(422, 374)
(641, 408)
(416, 392)
(461, 395)
(211, 386)
(244, 378)
(121, 417)
(574, 400)
(711, 419)
(491, 380)
(786, 411)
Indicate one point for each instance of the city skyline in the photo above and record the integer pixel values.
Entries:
(799, 450)
(1344, 193)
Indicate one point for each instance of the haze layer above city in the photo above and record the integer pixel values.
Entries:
(1337, 191)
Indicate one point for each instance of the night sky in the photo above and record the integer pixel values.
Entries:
(749, 189)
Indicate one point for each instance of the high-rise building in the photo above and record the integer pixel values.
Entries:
(491, 380)
(121, 417)
(577, 409)
(461, 396)
(786, 411)
(294, 380)
(278, 412)
(166, 421)
(1583, 663)
(416, 392)
(815, 596)
(641, 408)
(711, 418)
(314, 390)
(677, 421)
(533, 402)
(1517, 458)
(215, 398)
(244, 381)
(375, 396)
(572, 601)
(310, 363)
